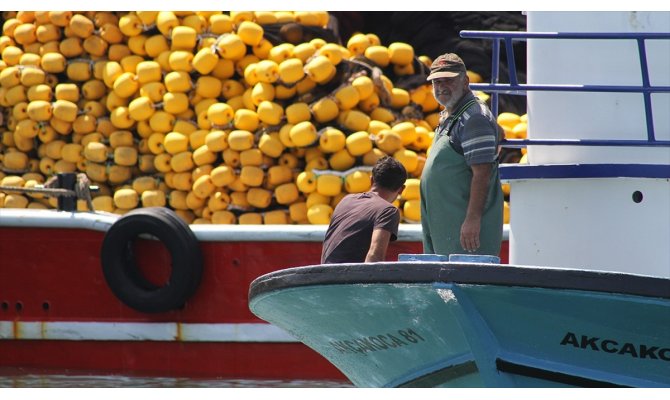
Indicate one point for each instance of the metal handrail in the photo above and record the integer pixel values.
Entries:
(515, 88)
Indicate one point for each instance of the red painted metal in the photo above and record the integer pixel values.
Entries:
(54, 274)
(285, 361)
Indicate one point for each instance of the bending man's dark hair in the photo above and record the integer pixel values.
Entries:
(389, 173)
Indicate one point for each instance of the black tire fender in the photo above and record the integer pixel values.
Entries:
(124, 277)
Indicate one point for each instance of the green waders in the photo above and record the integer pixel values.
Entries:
(445, 192)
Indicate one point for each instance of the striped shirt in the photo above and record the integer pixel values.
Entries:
(475, 133)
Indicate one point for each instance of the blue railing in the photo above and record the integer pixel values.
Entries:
(516, 88)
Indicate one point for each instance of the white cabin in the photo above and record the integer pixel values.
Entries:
(603, 208)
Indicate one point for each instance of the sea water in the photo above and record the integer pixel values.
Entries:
(114, 381)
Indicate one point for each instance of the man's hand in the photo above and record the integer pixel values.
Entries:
(470, 234)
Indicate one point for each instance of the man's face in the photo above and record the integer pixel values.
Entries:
(448, 91)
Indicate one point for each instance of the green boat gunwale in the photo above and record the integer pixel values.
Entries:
(460, 273)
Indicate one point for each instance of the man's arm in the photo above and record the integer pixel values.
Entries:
(481, 173)
(378, 245)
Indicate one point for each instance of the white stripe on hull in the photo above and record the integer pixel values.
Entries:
(101, 221)
(143, 331)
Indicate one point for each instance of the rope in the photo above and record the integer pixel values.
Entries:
(82, 189)
(40, 189)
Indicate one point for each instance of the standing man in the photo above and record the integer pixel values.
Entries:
(363, 224)
(461, 196)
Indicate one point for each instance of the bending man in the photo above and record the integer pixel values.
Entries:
(363, 224)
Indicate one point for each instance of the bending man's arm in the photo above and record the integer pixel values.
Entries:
(481, 173)
(378, 245)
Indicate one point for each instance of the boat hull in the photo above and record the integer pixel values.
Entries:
(59, 315)
(454, 325)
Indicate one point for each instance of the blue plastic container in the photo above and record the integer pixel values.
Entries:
(422, 257)
(474, 258)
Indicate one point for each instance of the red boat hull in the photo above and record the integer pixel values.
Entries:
(285, 361)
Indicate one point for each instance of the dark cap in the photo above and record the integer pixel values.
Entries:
(447, 65)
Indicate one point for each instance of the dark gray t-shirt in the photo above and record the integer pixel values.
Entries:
(475, 134)
(350, 231)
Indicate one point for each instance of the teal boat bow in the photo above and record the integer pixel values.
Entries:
(473, 325)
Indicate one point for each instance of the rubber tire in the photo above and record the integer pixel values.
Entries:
(124, 277)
